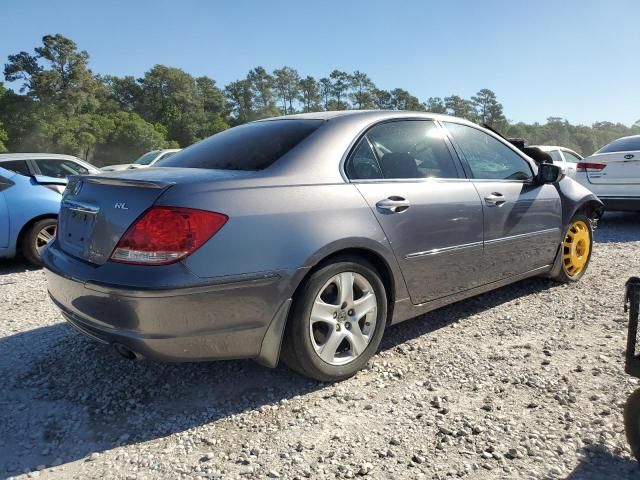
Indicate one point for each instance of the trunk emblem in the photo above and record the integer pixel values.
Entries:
(628, 156)
(121, 206)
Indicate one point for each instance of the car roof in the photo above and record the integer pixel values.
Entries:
(546, 148)
(377, 114)
(39, 156)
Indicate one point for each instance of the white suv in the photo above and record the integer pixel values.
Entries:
(613, 174)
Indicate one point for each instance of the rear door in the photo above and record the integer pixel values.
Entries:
(430, 213)
(522, 220)
(571, 161)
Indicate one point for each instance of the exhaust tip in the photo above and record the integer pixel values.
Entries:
(125, 352)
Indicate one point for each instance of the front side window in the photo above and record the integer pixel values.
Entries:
(60, 168)
(487, 157)
(628, 144)
(570, 157)
(18, 166)
(405, 149)
(253, 146)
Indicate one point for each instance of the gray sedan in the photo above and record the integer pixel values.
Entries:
(304, 237)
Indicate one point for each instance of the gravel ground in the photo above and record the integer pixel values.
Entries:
(524, 382)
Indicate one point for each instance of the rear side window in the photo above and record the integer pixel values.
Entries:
(555, 155)
(570, 157)
(254, 146)
(622, 145)
(487, 157)
(18, 166)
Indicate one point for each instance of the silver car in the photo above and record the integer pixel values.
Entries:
(304, 237)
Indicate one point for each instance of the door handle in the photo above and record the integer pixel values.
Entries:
(393, 204)
(496, 199)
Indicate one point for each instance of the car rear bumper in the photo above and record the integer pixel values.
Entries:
(621, 204)
(233, 318)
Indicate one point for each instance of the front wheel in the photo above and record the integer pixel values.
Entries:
(576, 248)
(632, 422)
(336, 322)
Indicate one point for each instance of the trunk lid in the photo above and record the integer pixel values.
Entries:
(97, 210)
(622, 168)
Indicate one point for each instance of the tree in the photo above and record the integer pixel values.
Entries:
(326, 90)
(57, 73)
(403, 100)
(125, 91)
(240, 98)
(382, 99)
(340, 83)
(459, 107)
(363, 93)
(309, 94)
(488, 109)
(436, 105)
(262, 84)
(287, 86)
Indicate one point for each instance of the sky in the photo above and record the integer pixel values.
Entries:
(566, 58)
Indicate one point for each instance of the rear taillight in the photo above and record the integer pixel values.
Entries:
(164, 235)
(590, 167)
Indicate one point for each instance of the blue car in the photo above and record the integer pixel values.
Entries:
(30, 192)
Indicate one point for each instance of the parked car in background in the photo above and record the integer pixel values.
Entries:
(46, 164)
(28, 213)
(145, 160)
(31, 186)
(613, 173)
(308, 235)
(564, 157)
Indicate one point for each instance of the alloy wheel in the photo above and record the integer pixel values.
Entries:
(343, 318)
(45, 236)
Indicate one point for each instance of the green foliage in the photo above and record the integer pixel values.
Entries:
(63, 107)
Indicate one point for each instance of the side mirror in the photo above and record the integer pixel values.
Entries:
(548, 173)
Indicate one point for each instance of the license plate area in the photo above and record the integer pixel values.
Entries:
(76, 227)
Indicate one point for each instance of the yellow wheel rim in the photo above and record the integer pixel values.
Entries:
(576, 248)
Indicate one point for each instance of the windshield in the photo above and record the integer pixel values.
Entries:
(147, 158)
(253, 146)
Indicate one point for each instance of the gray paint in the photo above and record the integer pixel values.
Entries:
(231, 297)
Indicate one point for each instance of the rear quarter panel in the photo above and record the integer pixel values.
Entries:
(283, 228)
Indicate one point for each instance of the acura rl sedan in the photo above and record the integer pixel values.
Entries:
(304, 237)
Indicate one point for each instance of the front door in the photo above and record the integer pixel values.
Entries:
(522, 220)
(430, 213)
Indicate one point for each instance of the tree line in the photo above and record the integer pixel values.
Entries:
(63, 107)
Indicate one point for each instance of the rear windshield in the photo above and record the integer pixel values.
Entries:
(622, 145)
(253, 146)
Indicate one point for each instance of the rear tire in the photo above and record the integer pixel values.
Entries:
(632, 422)
(575, 251)
(38, 235)
(337, 321)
